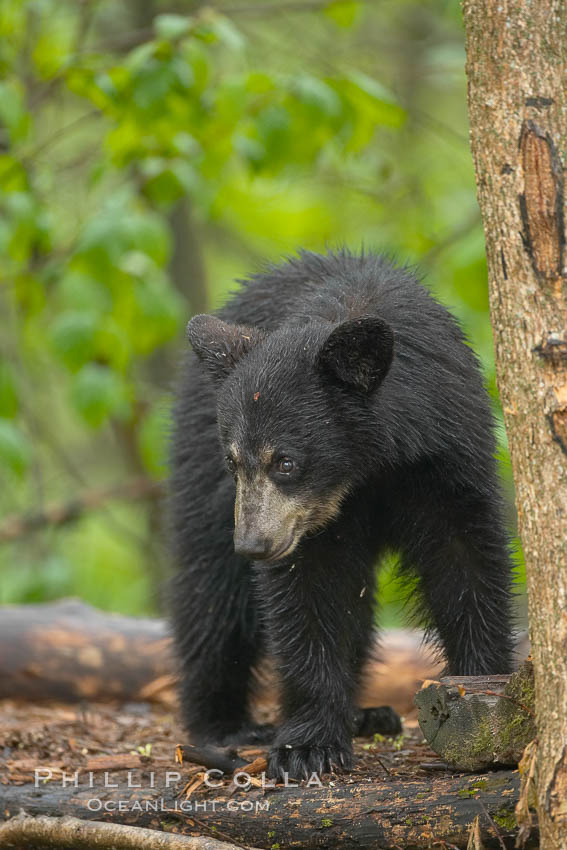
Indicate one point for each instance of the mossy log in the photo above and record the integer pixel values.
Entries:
(475, 722)
(390, 813)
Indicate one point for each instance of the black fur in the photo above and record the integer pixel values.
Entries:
(350, 365)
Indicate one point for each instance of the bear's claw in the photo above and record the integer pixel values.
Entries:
(302, 762)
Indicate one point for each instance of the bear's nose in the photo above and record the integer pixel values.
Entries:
(252, 546)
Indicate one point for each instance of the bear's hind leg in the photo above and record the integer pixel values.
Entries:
(215, 622)
(378, 720)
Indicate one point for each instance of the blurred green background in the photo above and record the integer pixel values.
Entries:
(150, 153)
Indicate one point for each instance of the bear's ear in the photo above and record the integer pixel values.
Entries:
(358, 353)
(220, 345)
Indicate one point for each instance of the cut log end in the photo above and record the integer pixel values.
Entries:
(477, 722)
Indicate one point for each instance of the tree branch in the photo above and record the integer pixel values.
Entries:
(18, 525)
(139, 35)
(89, 835)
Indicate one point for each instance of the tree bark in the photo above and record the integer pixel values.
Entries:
(516, 60)
(63, 832)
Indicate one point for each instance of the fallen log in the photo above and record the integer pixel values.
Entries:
(475, 722)
(67, 651)
(390, 813)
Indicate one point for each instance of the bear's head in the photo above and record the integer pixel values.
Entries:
(293, 405)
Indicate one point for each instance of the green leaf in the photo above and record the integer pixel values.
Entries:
(227, 32)
(344, 12)
(274, 128)
(120, 228)
(52, 48)
(370, 105)
(137, 263)
(40, 580)
(316, 94)
(81, 292)
(216, 27)
(372, 87)
(72, 338)
(13, 177)
(171, 27)
(27, 223)
(186, 144)
(141, 56)
(97, 393)
(99, 89)
(13, 114)
(170, 180)
(259, 83)
(183, 72)
(15, 450)
(250, 149)
(473, 296)
(196, 56)
(148, 232)
(153, 440)
(112, 344)
(8, 391)
(152, 84)
(159, 310)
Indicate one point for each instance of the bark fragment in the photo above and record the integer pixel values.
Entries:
(541, 202)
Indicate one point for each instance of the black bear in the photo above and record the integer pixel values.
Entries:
(331, 411)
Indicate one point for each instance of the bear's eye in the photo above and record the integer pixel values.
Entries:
(230, 465)
(285, 465)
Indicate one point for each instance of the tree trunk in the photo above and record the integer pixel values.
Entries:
(516, 54)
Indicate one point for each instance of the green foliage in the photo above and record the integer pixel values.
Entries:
(97, 393)
(146, 164)
(15, 451)
(8, 391)
(152, 439)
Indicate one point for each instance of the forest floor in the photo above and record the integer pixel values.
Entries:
(119, 764)
(144, 738)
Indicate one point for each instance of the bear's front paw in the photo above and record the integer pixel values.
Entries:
(302, 762)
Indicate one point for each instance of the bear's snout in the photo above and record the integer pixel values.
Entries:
(251, 545)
